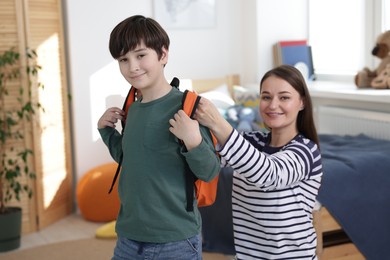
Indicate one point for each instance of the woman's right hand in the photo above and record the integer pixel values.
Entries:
(110, 117)
(208, 115)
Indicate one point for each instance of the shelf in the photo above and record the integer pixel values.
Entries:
(347, 91)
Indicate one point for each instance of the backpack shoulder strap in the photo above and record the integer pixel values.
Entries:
(190, 102)
(130, 98)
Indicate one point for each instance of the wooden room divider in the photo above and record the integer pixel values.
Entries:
(38, 25)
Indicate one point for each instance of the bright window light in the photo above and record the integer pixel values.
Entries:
(337, 36)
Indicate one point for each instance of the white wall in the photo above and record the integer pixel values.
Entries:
(278, 20)
(241, 42)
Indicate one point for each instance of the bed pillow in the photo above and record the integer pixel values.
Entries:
(220, 97)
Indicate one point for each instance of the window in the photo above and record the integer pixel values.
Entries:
(386, 15)
(342, 37)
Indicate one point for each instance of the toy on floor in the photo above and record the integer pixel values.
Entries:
(106, 231)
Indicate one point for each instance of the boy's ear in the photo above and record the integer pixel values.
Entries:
(164, 56)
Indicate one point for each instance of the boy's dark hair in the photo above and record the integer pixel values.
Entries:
(132, 31)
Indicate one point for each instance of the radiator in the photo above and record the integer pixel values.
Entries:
(347, 121)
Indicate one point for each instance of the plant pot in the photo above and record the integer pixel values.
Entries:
(10, 226)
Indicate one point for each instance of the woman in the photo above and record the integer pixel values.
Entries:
(276, 174)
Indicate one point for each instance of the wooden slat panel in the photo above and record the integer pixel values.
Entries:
(12, 35)
(45, 34)
(37, 24)
(8, 25)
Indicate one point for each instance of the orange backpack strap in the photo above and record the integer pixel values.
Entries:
(205, 192)
(190, 102)
(131, 97)
(189, 105)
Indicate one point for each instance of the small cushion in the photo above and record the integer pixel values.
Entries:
(93, 200)
(246, 97)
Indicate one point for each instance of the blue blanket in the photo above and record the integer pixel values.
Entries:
(356, 190)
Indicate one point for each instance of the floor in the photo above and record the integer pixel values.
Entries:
(71, 227)
(74, 227)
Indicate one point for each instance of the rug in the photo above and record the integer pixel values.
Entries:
(97, 249)
(84, 249)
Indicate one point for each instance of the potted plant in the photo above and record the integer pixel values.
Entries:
(16, 109)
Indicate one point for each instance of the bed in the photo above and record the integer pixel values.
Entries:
(355, 189)
(353, 200)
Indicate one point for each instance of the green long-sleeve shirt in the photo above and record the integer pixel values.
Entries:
(152, 182)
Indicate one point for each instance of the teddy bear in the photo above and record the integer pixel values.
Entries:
(382, 81)
(365, 77)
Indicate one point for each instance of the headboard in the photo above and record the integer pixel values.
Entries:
(203, 85)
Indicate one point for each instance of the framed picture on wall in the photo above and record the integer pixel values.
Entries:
(185, 14)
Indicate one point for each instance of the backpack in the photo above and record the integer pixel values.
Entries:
(205, 192)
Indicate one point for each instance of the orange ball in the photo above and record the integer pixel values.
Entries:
(93, 200)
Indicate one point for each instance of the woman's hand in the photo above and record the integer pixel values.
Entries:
(110, 117)
(208, 115)
(186, 129)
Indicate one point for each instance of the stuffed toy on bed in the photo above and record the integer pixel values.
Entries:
(244, 119)
(367, 78)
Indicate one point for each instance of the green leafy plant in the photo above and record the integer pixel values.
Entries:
(16, 109)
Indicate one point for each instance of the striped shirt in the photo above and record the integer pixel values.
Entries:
(274, 192)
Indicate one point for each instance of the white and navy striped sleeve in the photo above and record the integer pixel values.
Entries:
(295, 162)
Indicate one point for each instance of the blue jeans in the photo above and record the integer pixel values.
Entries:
(187, 249)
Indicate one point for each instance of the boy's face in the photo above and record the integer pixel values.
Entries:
(142, 68)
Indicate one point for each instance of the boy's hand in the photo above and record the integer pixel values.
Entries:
(110, 117)
(185, 129)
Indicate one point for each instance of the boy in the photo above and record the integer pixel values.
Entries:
(153, 222)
